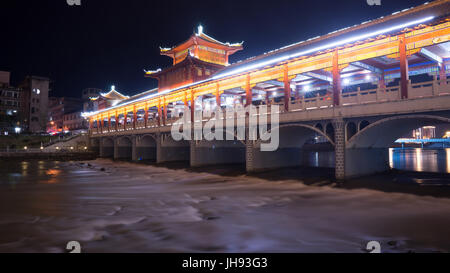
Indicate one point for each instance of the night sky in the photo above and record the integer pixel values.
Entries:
(102, 43)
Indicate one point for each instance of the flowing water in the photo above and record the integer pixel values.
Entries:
(126, 207)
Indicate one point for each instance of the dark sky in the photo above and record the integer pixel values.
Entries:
(105, 42)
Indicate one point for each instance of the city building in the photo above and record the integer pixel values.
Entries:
(58, 107)
(65, 114)
(425, 132)
(89, 93)
(36, 103)
(23, 108)
(11, 105)
(74, 122)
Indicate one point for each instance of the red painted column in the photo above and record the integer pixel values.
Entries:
(218, 97)
(109, 123)
(382, 83)
(185, 101)
(165, 114)
(146, 116)
(159, 113)
(134, 117)
(336, 79)
(101, 124)
(442, 74)
(404, 76)
(192, 106)
(116, 125)
(125, 115)
(248, 92)
(287, 89)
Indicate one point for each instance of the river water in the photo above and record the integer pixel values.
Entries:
(126, 207)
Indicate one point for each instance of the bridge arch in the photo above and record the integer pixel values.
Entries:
(146, 147)
(329, 131)
(205, 152)
(350, 130)
(299, 134)
(382, 133)
(290, 152)
(319, 126)
(94, 145)
(363, 124)
(226, 133)
(124, 148)
(106, 147)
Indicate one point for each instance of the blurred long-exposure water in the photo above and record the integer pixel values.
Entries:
(126, 207)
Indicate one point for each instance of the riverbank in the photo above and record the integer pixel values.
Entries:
(21, 141)
(47, 155)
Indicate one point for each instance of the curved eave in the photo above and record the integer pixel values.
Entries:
(189, 59)
(199, 40)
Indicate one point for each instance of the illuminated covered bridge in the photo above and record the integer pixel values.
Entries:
(359, 88)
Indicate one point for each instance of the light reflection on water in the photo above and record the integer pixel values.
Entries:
(42, 172)
(421, 160)
(409, 159)
(447, 151)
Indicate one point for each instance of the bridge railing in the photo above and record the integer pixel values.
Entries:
(311, 103)
(371, 95)
(415, 90)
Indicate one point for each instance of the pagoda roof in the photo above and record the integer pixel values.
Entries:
(202, 39)
(189, 59)
(114, 95)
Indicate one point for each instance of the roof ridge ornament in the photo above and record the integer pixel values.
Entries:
(199, 30)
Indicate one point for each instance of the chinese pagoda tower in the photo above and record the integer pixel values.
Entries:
(194, 60)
